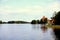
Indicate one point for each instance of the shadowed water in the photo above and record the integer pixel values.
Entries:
(24, 32)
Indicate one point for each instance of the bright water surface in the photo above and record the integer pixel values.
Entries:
(24, 32)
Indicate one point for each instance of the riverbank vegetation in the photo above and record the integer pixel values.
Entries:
(43, 20)
(56, 21)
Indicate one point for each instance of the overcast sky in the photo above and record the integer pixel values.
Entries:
(27, 10)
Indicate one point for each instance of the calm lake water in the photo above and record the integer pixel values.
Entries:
(24, 32)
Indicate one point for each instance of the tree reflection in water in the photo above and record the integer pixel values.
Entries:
(44, 30)
(36, 26)
(39, 27)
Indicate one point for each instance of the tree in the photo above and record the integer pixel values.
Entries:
(11, 21)
(57, 18)
(38, 22)
(0, 22)
(43, 22)
(33, 22)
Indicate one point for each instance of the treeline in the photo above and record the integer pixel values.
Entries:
(0, 21)
(56, 18)
(12, 22)
(17, 22)
(43, 20)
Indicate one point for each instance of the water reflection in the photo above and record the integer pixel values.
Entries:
(36, 26)
(46, 32)
(0, 26)
(24, 32)
(39, 27)
(57, 34)
(44, 29)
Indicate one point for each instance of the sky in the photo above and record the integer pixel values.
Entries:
(27, 10)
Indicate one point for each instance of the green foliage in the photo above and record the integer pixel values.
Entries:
(39, 21)
(43, 22)
(0, 22)
(33, 22)
(57, 18)
(11, 21)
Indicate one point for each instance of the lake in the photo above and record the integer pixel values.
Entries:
(24, 32)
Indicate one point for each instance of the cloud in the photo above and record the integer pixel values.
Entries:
(27, 9)
(55, 6)
(28, 12)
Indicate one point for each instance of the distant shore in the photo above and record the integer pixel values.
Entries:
(14, 22)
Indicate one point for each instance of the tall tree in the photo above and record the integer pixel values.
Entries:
(57, 18)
